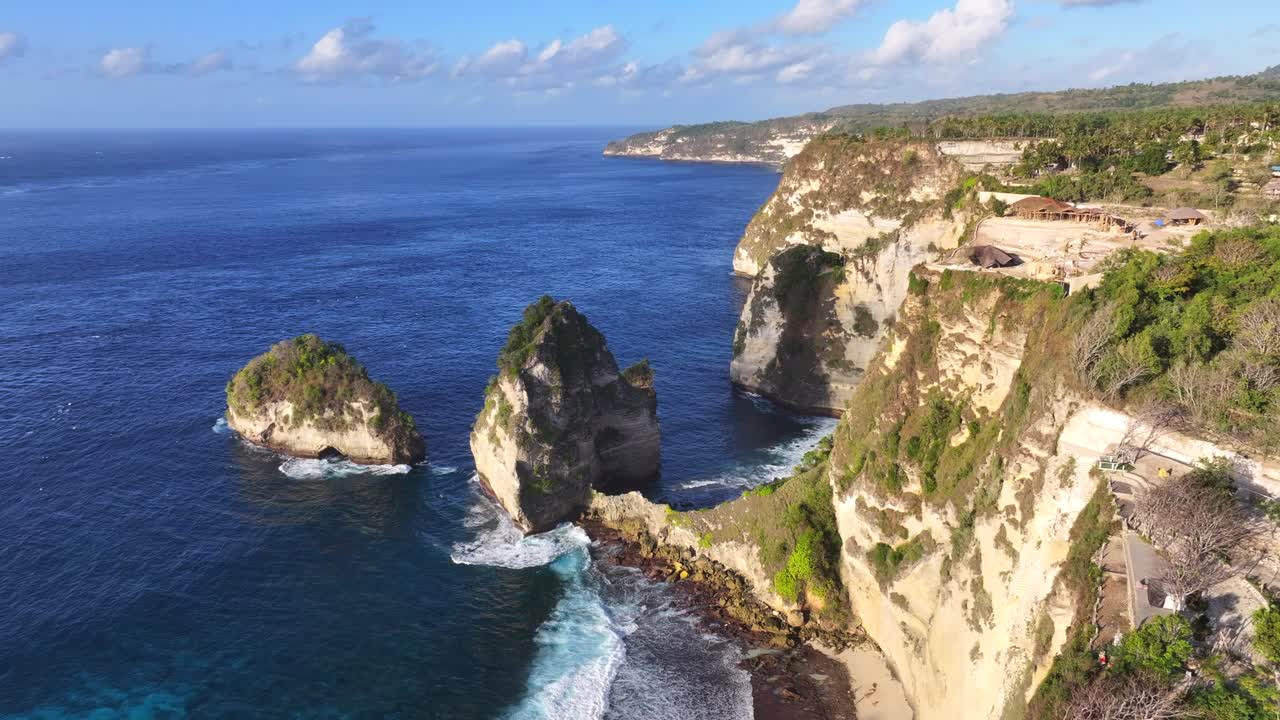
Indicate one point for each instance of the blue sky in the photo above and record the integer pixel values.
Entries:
(235, 63)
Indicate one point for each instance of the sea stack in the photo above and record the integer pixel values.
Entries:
(559, 418)
(308, 398)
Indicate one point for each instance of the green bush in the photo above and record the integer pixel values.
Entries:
(1266, 623)
(639, 374)
(1161, 646)
(887, 561)
(1200, 326)
(916, 285)
(524, 335)
(321, 381)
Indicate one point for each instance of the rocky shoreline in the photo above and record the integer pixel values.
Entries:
(790, 678)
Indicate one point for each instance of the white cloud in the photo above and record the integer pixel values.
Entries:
(949, 35)
(602, 44)
(738, 53)
(815, 16)
(557, 63)
(216, 61)
(796, 72)
(502, 59)
(125, 62)
(1167, 58)
(634, 76)
(350, 52)
(12, 46)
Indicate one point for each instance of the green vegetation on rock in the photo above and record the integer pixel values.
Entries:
(523, 337)
(793, 522)
(321, 382)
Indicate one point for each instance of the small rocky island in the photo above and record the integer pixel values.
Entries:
(309, 398)
(559, 418)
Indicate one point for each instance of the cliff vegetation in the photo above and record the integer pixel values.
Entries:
(321, 382)
(560, 418)
(1198, 330)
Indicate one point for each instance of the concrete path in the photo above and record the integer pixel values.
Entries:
(1144, 564)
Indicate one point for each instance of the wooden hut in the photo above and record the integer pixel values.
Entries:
(990, 256)
(1040, 208)
(1185, 216)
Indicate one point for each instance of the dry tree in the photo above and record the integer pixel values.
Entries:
(1200, 530)
(1133, 696)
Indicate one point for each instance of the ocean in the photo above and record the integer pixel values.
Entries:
(152, 565)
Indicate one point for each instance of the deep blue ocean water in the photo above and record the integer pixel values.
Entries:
(154, 566)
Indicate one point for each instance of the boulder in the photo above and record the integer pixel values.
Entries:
(559, 418)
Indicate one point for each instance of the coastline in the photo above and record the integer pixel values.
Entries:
(776, 166)
(795, 675)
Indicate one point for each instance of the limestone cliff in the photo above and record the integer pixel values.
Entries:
(830, 253)
(309, 398)
(768, 142)
(952, 515)
(559, 418)
(843, 191)
(961, 483)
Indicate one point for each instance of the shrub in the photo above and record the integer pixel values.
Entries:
(524, 335)
(639, 374)
(916, 285)
(1266, 623)
(1161, 646)
(321, 381)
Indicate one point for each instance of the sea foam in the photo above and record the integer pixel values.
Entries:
(313, 469)
(771, 462)
(498, 542)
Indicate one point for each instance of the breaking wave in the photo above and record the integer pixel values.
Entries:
(311, 469)
(769, 463)
(499, 543)
(614, 645)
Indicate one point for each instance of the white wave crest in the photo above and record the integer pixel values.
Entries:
(312, 469)
(580, 650)
(498, 542)
(443, 469)
(220, 426)
(772, 463)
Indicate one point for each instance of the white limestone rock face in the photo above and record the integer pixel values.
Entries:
(773, 142)
(307, 398)
(808, 333)
(560, 419)
(974, 619)
(841, 193)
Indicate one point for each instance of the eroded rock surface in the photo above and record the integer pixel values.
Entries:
(560, 418)
(309, 398)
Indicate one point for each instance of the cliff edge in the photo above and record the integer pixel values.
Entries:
(830, 253)
(309, 398)
(559, 419)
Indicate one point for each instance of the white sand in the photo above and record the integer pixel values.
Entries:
(879, 694)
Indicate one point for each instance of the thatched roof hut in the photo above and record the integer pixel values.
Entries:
(1185, 216)
(1037, 206)
(990, 256)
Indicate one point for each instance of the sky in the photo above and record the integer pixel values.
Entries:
(412, 63)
